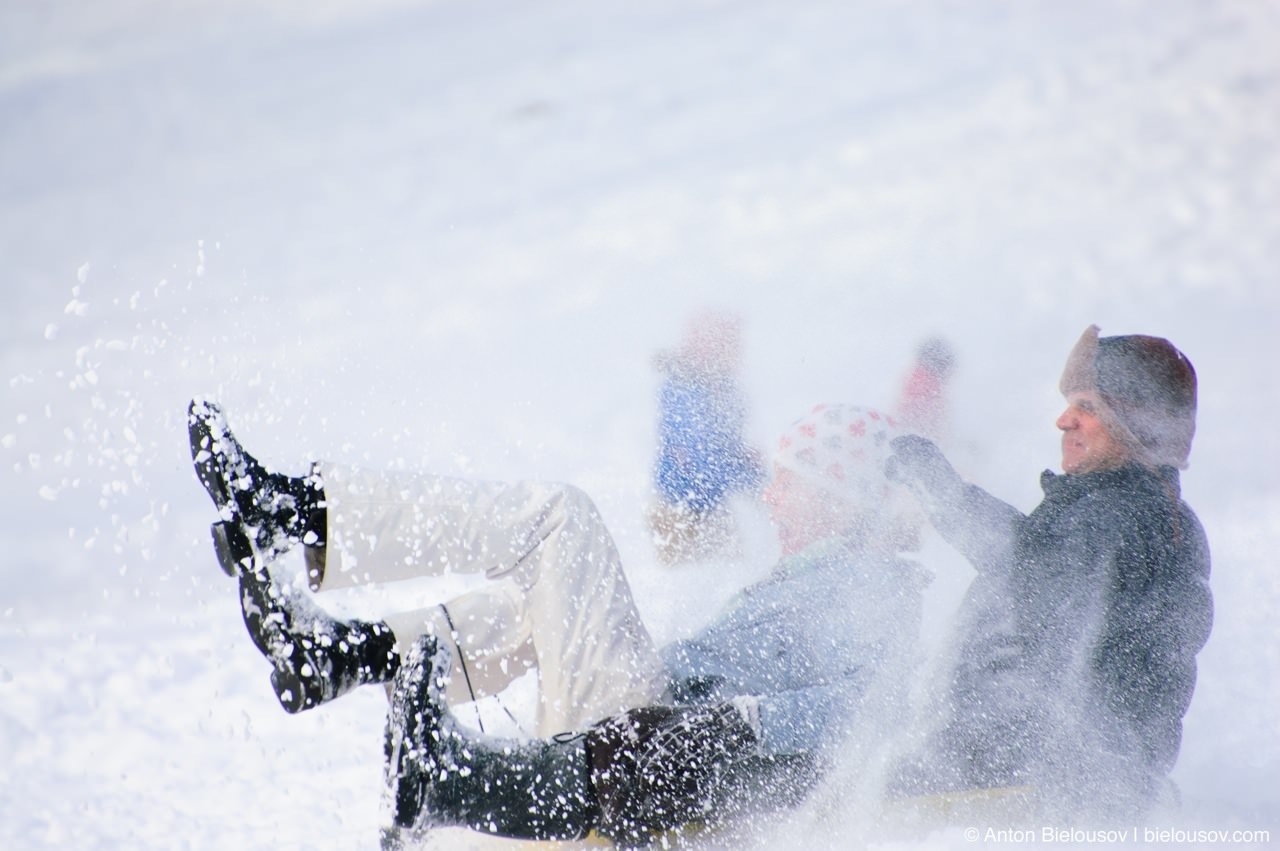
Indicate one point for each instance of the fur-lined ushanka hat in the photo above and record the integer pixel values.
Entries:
(1148, 391)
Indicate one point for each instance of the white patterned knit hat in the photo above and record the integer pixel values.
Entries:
(841, 450)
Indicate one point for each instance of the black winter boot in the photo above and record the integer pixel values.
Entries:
(440, 775)
(280, 510)
(316, 658)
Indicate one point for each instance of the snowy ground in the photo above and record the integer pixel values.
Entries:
(451, 235)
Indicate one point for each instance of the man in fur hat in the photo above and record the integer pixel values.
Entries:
(1075, 655)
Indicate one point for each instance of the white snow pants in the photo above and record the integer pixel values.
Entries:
(558, 598)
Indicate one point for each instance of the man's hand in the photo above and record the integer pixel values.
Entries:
(918, 463)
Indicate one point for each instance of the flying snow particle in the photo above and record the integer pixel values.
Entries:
(50, 331)
(82, 274)
(48, 493)
(9, 441)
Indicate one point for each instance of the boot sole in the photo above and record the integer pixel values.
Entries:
(295, 688)
(208, 470)
(267, 622)
(232, 548)
(413, 720)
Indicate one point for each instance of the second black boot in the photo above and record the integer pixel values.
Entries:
(315, 656)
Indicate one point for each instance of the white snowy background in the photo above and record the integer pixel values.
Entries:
(451, 235)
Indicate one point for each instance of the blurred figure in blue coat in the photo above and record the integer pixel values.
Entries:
(703, 457)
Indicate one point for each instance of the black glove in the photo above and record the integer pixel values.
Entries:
(685, 753)
(655, 768)
(918, 463)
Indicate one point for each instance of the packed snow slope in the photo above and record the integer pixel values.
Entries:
(450, 235)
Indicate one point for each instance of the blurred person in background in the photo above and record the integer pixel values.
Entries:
(923, 406)
(703, 458)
